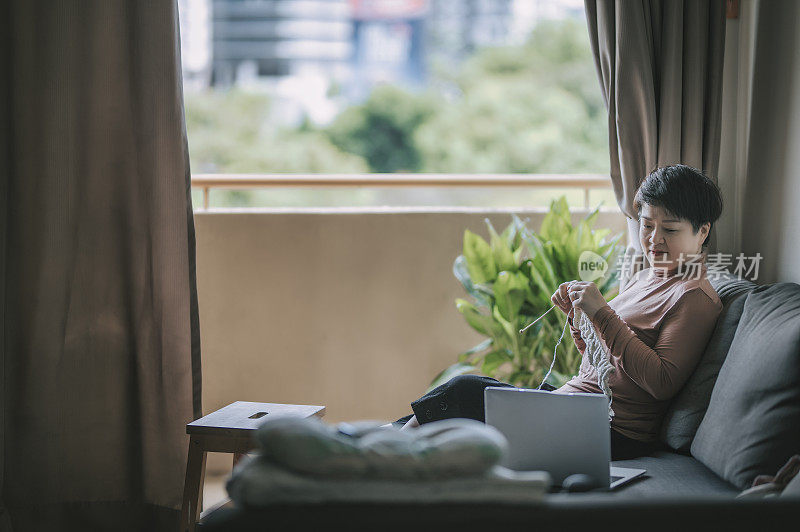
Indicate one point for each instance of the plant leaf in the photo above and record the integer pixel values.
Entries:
(478, 254)
(450, 372)
(591, 218)
(494, 360)
(476, 320)
(486, 344)
(505, 324)
(537, 249)
(501, 252)
(462, 274)
(509, 295)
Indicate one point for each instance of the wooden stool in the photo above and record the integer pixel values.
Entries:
(228, 430)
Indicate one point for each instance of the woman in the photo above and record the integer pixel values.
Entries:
(655, 330)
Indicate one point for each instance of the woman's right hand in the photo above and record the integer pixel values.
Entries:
(560, 298)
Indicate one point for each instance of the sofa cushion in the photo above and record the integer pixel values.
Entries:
(729, 286)
(752, 425)
(689, 406)
(671, 475)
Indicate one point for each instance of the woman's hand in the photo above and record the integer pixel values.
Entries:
(586, 296)
(560, 297)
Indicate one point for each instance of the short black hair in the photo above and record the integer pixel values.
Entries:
(682, 191)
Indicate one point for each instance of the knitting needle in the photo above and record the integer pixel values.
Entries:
(537, 319)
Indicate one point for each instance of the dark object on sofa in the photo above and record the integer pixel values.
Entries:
(737, 417)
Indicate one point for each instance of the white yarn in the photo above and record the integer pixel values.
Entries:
(554, 353)
(596, 354)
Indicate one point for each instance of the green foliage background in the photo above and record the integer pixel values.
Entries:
(535, 108)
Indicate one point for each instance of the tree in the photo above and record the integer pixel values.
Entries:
(232, 132)
(535, 108)
(381, 130)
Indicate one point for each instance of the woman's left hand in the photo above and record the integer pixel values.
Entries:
(587, 297)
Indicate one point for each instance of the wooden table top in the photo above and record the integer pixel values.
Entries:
(243, 417)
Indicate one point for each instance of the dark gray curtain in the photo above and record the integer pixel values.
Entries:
(100, 337)
(5, 159)
(660, 69)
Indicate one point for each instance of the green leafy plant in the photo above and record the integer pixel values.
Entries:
(510, 279)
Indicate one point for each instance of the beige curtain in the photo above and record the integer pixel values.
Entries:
(660, 69)
(100, 354)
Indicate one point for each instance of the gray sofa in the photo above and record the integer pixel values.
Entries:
(738, 416)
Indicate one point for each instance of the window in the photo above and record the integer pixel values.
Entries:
(395, 87)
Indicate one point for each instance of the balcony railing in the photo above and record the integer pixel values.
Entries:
(586, 182)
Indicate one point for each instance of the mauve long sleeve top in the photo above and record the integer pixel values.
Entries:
(656, 331)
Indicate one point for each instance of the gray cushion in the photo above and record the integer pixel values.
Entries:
(752, 425)
(671, 475)
(689, 406)
(729, 287)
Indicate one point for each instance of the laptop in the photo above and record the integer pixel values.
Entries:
(563, 434)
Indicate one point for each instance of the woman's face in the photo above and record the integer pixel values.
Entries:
(664, 237)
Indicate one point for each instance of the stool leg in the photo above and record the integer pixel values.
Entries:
(237, 457)
(193, 485)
